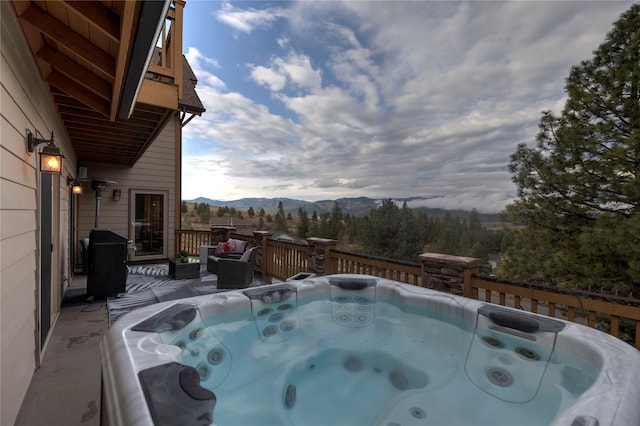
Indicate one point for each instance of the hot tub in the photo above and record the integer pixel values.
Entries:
(360, 350)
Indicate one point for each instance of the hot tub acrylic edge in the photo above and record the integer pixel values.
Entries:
(614, 405)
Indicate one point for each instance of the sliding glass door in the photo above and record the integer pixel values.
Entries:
(149, 213)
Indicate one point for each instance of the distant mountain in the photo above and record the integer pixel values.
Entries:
(270, 205)
(359, 206)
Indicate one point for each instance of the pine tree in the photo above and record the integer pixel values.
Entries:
(579, 188)
(204, 212)
(302, 229)
(281, 220)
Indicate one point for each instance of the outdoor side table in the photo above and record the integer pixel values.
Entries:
(204, 253)
(182, 270)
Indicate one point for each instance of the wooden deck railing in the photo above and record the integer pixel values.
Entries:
(168, 64)
(342, 262)
(190, 240)
(282, 259)
(617, 316)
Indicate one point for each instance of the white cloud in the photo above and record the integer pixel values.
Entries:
(395, 99)
(274, 80)
(294, 69)
(247, 20)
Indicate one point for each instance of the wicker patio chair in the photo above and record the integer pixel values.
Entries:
(237, 273)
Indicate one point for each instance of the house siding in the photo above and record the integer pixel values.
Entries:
(25, 104)
(154, 171)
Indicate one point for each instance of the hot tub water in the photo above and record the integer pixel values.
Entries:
(353, 359)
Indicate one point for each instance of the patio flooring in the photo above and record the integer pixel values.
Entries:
(66, 389)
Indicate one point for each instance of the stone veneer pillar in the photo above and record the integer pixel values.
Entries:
(220, 234)
(317, 262)
(448, 273)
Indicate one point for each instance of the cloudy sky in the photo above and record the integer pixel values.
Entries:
(327, 99)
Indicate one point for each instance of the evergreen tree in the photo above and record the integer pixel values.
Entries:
(184, 207)
(409, 245)
(579, 188)
(204, 212)
(281, 220)
(302, 229)
(250, 212)
(334, 223)
(380, 237)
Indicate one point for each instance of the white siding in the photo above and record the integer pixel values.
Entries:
(25, 104)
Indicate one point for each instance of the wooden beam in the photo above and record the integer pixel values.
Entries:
(100, 121)
(88, 98)
(76, 72)
(126, 29)
(62, 34)
(177, 44)
(101, 16)
(103, 136)
(121, 131)
(159, 94)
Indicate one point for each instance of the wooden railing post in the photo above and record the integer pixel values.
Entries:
(261, 242)
(319, 259)
(450, 274)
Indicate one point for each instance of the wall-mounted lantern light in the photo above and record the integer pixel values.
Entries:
(76, 186)
(50, 156)
(116, 195)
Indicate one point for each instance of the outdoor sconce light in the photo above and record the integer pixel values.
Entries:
(116, 195)
(50, 156)
(76, 186)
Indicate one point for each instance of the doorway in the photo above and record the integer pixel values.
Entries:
(148, 231)
(46, 247)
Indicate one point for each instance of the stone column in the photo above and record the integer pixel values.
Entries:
(318, 261)
(260, 243)
(220, 234)
(448, 273)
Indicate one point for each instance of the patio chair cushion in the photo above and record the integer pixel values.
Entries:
(230, 246)
(230, 249)
(246, 256)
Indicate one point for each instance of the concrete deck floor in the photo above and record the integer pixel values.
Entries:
(65, 390)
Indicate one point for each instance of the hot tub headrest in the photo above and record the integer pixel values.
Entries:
(175, 317)
(353, 283)
(519, 320)
(271, 294)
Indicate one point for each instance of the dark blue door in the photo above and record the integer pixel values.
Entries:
(46, 248)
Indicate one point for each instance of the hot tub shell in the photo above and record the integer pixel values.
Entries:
(136, 358)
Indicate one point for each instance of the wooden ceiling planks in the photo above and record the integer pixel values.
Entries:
(82, 49)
